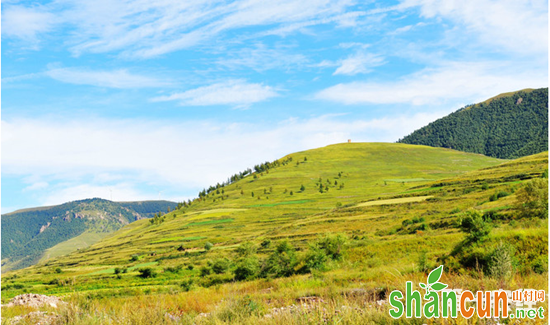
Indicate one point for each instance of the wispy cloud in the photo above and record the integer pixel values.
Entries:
(148, 29)
(26, 22)
(517, 26)
(233, 92)
(261, 58)
(119, 78)
(467, 81)
(359, 62)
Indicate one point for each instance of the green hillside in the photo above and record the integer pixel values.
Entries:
(509, 125)
(386, 214)
(27, 233)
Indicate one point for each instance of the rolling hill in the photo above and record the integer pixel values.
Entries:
(30, 235)
(345, 223)
(509, 125)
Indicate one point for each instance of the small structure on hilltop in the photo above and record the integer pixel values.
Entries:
(349, 140)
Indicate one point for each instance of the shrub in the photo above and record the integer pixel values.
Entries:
(204, 271)
(315, 259)
(247, 268)
(208, 246)
(266, 243)
(500, 262)
(220, 265)
(173, 269)
(532, 199)
(58, 270)
(135, 257)
(540, 265)
(147, 272)
(118, 270)
(333, 245)
(246, 249)
(476, 228)
(187, 284)
(281, 262)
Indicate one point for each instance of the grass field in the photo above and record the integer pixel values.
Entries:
(399, 206)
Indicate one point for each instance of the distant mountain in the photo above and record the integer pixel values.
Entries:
(28, 233)
(509, 125)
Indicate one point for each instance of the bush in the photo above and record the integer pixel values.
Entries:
(247, 268)
(281, 262)
(58, 270)
(532, 199)
(315, 259)
(540, 265)
(204, 271)
(221, 265)
(246, 249)
(500, 262)
(333, 245)
(187, 284)
(266, 243)
(173, 269)
(476, 228)
(135, 257)
(208, 246)
(147, 273)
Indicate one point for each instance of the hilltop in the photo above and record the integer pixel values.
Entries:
(34, 234)
(509, 125)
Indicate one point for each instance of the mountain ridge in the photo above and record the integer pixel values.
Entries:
(509, 125)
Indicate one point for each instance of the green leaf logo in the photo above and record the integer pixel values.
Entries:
(433, 281)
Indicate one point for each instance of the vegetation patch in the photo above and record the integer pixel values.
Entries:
(395, 201)
(164, 240)
(210, 222)
(280, 203)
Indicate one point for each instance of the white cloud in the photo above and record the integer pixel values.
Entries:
(24, 22)
(137, 159)
(359, 62)
(119, 78)
(152, 28)
(465, 81)
(117, 192)
(233, 92)
(517, 26)
(261, 58)
(36, 186)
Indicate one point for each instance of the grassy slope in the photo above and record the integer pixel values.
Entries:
(73, 244)
(380, 254)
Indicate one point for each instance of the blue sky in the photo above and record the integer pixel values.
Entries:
(135, 100)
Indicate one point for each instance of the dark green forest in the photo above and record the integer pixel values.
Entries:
(507, 126)
(26, 234)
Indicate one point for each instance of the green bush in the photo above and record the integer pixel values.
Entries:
(246, 249)
(315, 259)
(333, 245)
(532, 199)
(208, 246)
(281, 262)
(500, 262)
(147, 272)
(173, 269)
(476, 228)
(247, 268)
(220, 265)
(204, 271)
(187, 284)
